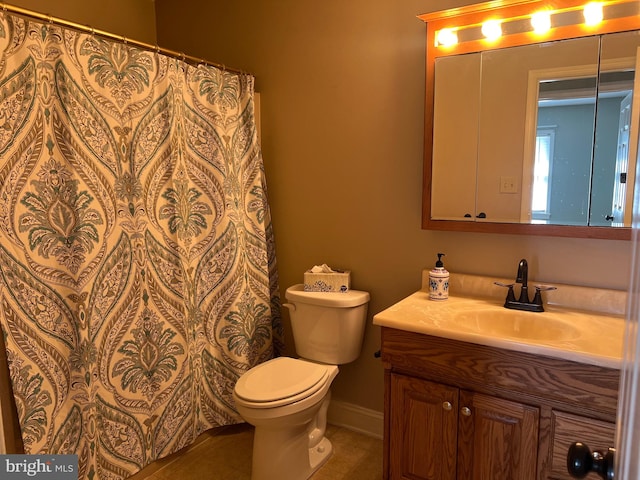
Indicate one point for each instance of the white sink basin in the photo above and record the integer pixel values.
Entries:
(515, 324)
(566, 333)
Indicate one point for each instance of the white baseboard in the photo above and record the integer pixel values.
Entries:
(354, 417)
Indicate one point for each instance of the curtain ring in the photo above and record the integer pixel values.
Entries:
(124, 39)
(182, 57)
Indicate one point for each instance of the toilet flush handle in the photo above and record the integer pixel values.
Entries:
(290, 306)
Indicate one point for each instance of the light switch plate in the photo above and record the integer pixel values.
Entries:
(508, 185)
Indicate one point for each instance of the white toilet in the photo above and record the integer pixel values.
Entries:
(286, 399)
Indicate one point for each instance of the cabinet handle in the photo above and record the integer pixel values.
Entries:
(447, 406)
(466, 411)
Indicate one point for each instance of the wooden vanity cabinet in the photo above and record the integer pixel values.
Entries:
(440, 430)
(457, 410)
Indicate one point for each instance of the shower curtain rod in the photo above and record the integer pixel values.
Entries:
(86, 29)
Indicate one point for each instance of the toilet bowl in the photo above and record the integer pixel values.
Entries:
(290, 417)
(286, 399)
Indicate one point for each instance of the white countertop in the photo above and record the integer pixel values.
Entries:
(592, 337)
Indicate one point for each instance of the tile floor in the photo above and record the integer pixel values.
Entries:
(226, 455)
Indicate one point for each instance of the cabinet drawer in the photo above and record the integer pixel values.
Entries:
(568, 428)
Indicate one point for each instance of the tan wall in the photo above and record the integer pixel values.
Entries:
(342, 86)
(134, 19)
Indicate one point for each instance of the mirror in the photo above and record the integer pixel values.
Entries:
(536, 138)
(569, 153)
(579, 163)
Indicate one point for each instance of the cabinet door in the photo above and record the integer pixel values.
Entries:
(455, 137)
(498, 439)
(568, 428)
(423, 429)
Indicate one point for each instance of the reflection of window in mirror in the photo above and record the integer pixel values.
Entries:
(567, 104)
(541, 193)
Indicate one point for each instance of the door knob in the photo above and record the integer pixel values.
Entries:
(581, 461)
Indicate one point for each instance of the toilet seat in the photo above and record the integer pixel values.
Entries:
(280, 381)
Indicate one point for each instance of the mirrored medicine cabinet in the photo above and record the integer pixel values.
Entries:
(532, 132)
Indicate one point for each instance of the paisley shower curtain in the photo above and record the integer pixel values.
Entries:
(137, 270)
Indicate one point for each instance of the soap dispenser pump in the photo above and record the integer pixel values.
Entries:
(439, 281)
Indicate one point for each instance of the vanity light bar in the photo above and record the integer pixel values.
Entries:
(492, 29)
(540, 22)
(593, 14)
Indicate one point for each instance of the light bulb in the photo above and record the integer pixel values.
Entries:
(541, 22)
(593, 13)
(491, 29)
(447, 37)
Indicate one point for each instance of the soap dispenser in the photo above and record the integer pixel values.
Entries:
(439, 281)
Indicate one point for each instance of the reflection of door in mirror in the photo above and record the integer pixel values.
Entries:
(616, 137)
(622, 165)
(611, 156)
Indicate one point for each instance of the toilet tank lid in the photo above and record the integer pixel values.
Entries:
(350, 298)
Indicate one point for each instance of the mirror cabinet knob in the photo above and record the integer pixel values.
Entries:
(466, 411)
(447, 406)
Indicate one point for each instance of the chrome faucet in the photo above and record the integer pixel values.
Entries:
(523, 303)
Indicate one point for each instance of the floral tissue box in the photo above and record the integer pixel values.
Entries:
(323, 281)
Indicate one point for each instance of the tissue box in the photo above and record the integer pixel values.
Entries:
(338, 281)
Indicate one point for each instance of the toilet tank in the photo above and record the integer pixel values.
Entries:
(328, 327)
